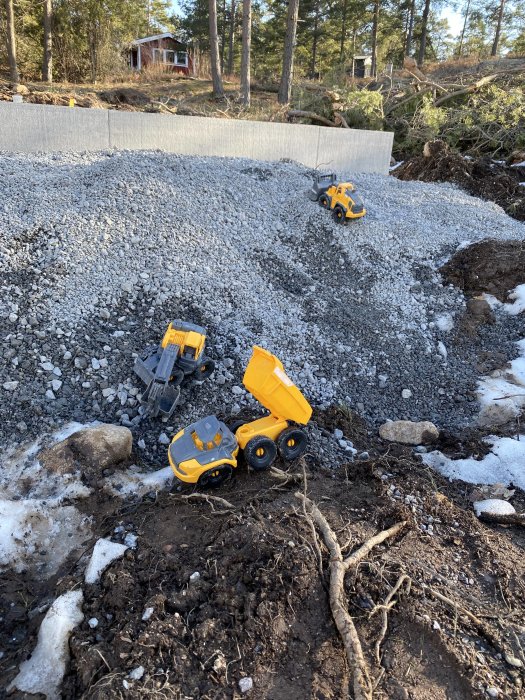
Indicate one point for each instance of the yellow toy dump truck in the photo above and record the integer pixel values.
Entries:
(163, 367)
(341, 198)
(206, 451)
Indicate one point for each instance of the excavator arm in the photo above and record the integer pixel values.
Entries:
(157, 371)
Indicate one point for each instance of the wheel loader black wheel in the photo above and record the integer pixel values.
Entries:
(292, 443)
(205, 370)
(260, 453)
(214, 477)
(324, 201)
(339, 214)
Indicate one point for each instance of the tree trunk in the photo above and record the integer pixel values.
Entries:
(47, 64)
(246, 49)
(231, 38)
(462, 37)
(495, 44)
(11, 42)
(343, 32)
(375, 24)
(216, 77)
(285, 88)
(423, 43)
(410, 30)
(315, 42)
(223, 33)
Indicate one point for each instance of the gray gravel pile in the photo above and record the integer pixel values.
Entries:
(99, 251)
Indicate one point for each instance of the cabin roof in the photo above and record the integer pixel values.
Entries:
(155, 37)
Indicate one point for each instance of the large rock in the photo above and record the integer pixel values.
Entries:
(90, 451)
(104, 445)
(409, 433)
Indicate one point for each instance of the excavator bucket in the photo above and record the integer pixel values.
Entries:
(267, 381)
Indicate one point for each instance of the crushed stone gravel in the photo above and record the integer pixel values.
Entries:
(99, 251)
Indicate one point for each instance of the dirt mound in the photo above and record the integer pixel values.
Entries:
(483, 178)
(216, 593)
(125, 96)
(495, 267)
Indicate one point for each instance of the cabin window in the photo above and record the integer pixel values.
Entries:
(182, 58)
(157, 56)
(169, 56)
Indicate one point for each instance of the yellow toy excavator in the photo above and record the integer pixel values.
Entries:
(206, 451)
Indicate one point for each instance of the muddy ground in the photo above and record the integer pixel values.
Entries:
(260, 605)
(484, 178)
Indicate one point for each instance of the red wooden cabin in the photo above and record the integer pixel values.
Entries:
(164, 50)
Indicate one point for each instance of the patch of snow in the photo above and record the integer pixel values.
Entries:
(138, 483)
(518, 165)
(518, 304)
(494, 506)
(463, 244)
(502, 394)
(131, 540)
(137, 673)
(104, 552)
(521, 184)
(505, 463)
(148, 612)
(39, 532)
(44, 670)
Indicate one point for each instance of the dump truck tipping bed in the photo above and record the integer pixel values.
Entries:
(266, 379)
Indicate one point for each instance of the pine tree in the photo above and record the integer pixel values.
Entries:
(246, 50)
(285, 87)
(11, 42)
(218, 90)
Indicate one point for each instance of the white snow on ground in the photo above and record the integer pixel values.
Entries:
(39, 529)
(19, 465)
(505, 464)
(137, 483)
(104, 552)
(502, 394)
(44, 670)
(518, 165)
(494, 506)
(518, 297)
(33, 531)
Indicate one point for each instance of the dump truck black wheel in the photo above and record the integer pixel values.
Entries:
(234, 425)
(260, 453)
(216, 476)
(339, 214)
(292, 443)
(205, 370)
(324, 201)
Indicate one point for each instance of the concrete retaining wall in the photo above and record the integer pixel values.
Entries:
(31, 128)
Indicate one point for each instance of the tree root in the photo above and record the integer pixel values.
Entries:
(385, 607)
(210, 500)
(362, 683)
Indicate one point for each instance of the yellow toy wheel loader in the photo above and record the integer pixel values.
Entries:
(341, 198)
(206, 451)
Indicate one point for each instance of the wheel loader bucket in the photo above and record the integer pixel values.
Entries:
(267, 381)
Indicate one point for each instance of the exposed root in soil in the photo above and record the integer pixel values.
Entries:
(362, 684)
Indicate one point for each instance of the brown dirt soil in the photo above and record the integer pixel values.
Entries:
(495, 267)
(481, 178)
(260, 607)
